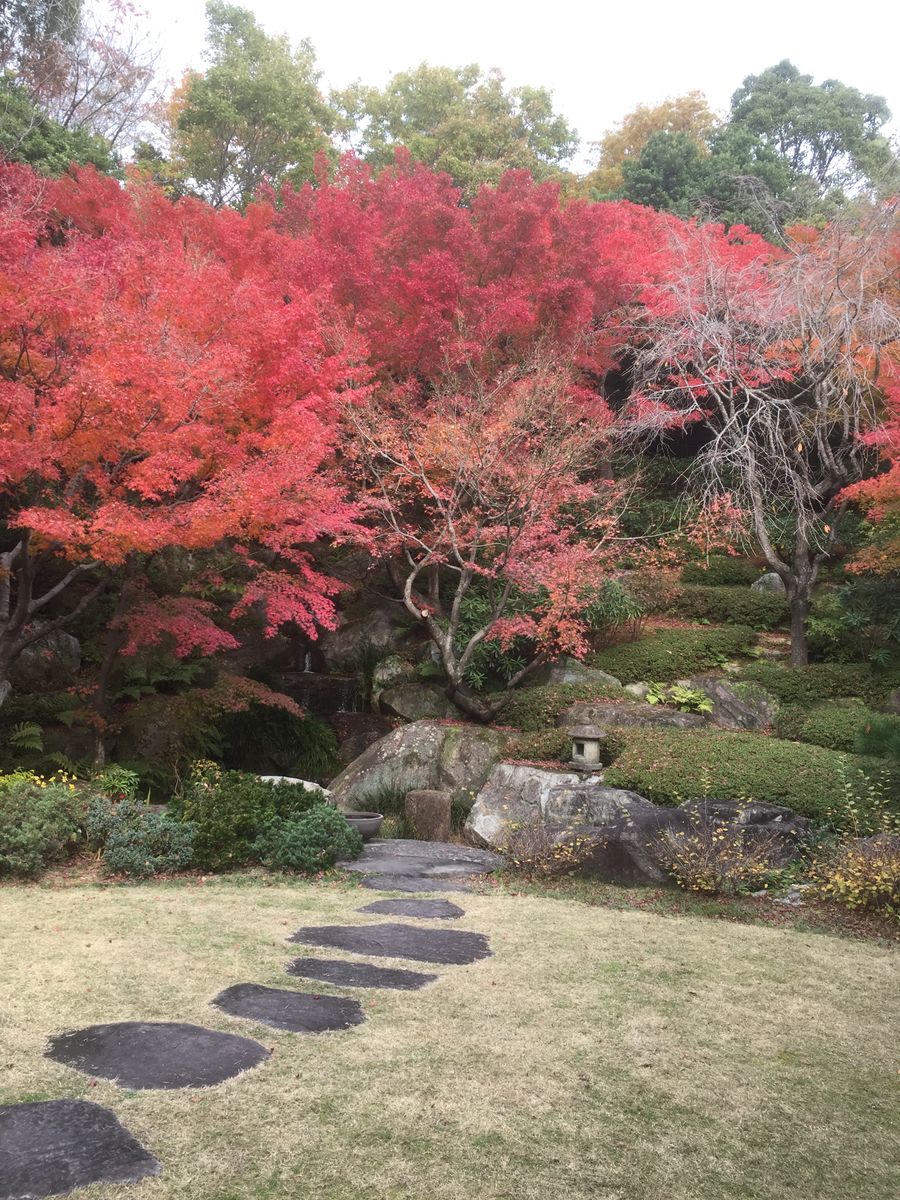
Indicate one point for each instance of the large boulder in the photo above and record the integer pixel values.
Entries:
(377, 632)
(414, 701)
(736, 705)
(514, 794)
(421, 756)
(591, 712)
(621, 835)
(570, 670)
(771, 582)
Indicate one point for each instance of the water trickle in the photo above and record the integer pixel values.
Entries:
(307, 663)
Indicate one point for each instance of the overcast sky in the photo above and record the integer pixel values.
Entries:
(598, 60)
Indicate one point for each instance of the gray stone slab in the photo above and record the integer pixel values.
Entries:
(414, 908)
(298, 1012)
(407, 857)
(358, 974)
(413, 883)
(398, 941)
(50, 1147)
(144, 1054)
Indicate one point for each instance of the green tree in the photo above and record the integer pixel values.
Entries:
(255, 114)
(32, 30)
(668, 173)
(460, 120)
(28, 135)
(829, 132)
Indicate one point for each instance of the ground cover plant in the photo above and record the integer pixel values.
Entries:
(671, 766)
(666, 654)
(437, 1096)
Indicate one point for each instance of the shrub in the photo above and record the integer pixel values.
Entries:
(732, 606)
(614, 614)
(859, 621)
(668, 654)
(40, 822)
(312, 841)
(671, 766)
(137, 841)
(276, 741)
(230, 809)
(721, 570)
(837, 724)
(549, 745)
(535, 849)
(861, 873)
(880, 736)
(809, 686)
(717, 858)
(535, 708)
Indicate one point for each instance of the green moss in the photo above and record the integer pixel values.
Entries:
(667, 654)
(671, 766)
(550, 745)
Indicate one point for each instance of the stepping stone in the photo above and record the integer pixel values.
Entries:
(398, 941)
(144, 1054)
(414, 883)
(406, 856)
(298, 1012)
(358, 974)
(414, 908)
(49, 1148)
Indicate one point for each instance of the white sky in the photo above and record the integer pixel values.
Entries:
(599, 61)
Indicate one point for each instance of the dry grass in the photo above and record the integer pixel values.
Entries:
(599, 1054)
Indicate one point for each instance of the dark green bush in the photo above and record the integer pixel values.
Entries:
(312, 841)
(721, 570)
(671, 766)
(136, 841)
(536, 708)
(276, 742)
(230, 809)
(550, 745)
(809, 686)
(667, 654)
(858, 622)
(40, 823)
(837, 724)
(732, 606)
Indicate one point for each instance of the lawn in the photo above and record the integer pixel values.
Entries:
(599, 1054)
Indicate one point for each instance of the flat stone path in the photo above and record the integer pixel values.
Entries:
(50, 1147)
(139, 1054)
(298, 1012)
(399, 941)
(358, 974)
(414, 908)
(391, 860)
(413, 883)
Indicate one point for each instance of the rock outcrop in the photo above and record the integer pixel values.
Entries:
(421, 756)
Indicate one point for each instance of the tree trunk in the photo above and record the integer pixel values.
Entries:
(799, 639)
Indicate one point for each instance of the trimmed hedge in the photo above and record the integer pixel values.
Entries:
(732, 606)
(671, 766)
(40, 823)
(667, 654)
(809, 686)
(837, 725)
(721, 570)
(550, 745)
(535, 708)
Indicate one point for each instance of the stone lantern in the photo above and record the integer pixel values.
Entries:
(586, 743)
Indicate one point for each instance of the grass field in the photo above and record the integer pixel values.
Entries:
(598, 1054)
